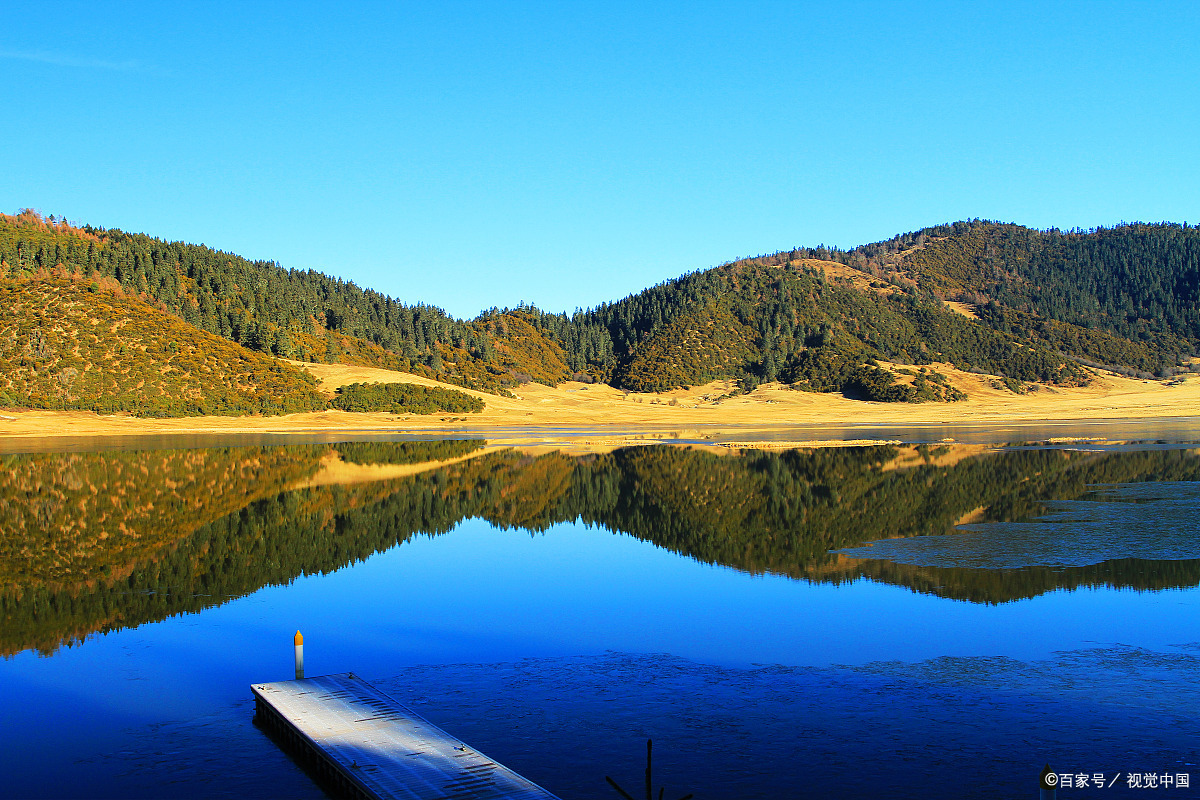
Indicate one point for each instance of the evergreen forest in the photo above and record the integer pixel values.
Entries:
(1021, 304)
(65, 344)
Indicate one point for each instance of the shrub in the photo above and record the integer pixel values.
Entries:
(404, 398)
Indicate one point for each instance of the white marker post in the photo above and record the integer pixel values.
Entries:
(299, 656)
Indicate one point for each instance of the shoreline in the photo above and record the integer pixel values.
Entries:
(597, 415)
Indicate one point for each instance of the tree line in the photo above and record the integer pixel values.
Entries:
(1126, 297)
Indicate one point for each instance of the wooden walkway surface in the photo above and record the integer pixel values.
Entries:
(369, 746)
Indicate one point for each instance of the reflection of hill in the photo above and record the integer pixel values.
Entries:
(72, 518)
(101, 541)
(1005, 585)
(406, 452)
(784, 512)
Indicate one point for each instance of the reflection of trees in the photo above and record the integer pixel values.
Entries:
(406, 452)
(78, 517)
(1005, 585)
(102, 541)
(783, 513)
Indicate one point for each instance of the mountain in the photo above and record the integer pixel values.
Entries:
(1021, 304)
(287, 313)
(1129, 295)
(1024, 304)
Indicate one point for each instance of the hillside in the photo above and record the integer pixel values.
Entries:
(800, 322)
(1011, 301)
(703, 344)
(275, 311)
(1128, 295)
(1023, 305)
(70, 345)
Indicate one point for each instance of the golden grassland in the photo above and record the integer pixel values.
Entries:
(601, 416)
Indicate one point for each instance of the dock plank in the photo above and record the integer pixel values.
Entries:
(378, 748)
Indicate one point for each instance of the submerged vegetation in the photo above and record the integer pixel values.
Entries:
(89, 542)
(1023, 305)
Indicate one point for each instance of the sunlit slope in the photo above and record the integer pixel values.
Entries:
(1127, 296)
(297, 314)
(68, 344)
(816, 328)
(812, 323)
(704, 344)
(1016, 303)
(1001, 299)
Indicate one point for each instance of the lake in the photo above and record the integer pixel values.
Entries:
(919, 620)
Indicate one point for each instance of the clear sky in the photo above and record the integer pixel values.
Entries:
(476, 154)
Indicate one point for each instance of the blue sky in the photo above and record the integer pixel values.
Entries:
(477, 154)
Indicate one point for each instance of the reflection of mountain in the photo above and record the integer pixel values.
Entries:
(783, 513)
(102, 541)
(1006, 585)
(75, 518)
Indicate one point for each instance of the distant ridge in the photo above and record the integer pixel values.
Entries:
(1024, 305)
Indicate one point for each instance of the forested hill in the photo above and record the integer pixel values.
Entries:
(289, 313)
(1137, 282)
(993, 297)
(1002, 299)
(70, 345)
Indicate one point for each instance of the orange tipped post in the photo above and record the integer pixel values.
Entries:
(299, 656)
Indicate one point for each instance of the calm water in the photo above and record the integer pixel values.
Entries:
(904, 621)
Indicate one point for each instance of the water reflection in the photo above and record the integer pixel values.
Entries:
(101, 541)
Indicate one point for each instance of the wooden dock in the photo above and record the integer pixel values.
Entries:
(364, 744)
